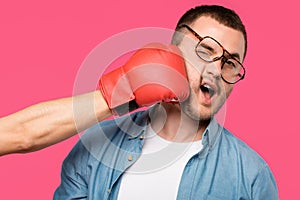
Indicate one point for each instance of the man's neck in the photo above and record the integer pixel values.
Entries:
(171, 123)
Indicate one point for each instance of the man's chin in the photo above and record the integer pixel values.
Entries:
(197, 113)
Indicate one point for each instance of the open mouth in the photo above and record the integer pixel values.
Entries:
(207, 90)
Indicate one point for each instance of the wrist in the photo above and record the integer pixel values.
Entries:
(101, 107)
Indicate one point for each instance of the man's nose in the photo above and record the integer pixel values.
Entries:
(213, 69)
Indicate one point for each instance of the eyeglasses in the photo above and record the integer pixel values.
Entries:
(210, 50)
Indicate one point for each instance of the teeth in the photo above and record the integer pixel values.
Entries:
(207, 86)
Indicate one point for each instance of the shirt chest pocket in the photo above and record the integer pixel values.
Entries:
(211, 197)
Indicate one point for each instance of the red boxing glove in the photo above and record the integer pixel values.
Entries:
(155, 73)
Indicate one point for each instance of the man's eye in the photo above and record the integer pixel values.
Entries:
(202, 52)
(231, 63)
(205, 55)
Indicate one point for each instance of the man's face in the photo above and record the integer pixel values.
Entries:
(204, 75)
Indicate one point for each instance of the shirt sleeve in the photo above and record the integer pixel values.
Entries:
(264, 186)
(73, 175)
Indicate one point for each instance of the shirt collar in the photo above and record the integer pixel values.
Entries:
(210, 137)
(141, 119)
(136, 127)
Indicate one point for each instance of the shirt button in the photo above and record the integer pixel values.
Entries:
(129, 158)
(142, 137)
(108, 190)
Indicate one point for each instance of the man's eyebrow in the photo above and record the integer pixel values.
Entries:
(236, 56)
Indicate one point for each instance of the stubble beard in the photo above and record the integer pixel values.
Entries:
(200, 114)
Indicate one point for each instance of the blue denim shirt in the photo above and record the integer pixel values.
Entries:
(226, 168)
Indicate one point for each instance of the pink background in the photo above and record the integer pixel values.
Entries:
(43, 44)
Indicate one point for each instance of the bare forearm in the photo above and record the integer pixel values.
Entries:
(47, 123)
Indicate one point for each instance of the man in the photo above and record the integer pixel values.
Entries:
(175, 149)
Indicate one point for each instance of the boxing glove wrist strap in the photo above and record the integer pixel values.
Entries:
(125, 108)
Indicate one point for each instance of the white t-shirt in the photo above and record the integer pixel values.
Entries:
(156, 174)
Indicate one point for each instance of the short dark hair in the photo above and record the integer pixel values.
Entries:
(223, 15)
